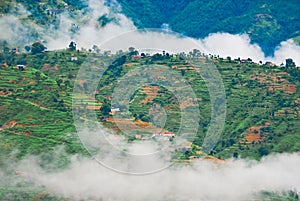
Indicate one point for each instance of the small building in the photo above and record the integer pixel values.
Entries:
(164, 134)
(169, 134)
(15, 50)
(136, 56)
(156, 134)
(21, 67)
(74, 58)
(138, 137)
(268, 63)
(115, 109)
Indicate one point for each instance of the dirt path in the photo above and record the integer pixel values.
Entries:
(37, 105)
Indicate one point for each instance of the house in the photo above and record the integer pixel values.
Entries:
(244, 61)
(21, 67)
(136, 56)
(114, 110)
(156, 134)
(187, 146)
(74, 58)
(268, 63)
(15, 50)
(164, 134)
(169, 134)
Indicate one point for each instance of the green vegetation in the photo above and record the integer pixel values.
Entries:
(262, 101)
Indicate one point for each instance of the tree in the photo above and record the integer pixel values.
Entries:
(289, 63)
(72, 46)
(37, 47)
(96, 49)
(131, 49)
(105, 108)
(27, 48)
(6, 50)
(235, 155)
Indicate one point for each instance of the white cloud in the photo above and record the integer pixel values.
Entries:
(203, 180)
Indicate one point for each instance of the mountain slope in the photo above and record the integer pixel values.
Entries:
(262, 101)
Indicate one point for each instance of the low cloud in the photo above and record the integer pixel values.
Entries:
(89, 179)
(240, 46)
(202, 180)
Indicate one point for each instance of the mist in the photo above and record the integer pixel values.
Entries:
(86, 179)
(95, 178)
(89, 33)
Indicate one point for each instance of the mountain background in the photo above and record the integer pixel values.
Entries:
(267, 22)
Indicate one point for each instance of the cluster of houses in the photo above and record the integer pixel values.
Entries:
(164, 134)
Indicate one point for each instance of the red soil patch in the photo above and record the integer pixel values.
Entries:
(93, 107)
(40, 196)
(129, 64)
(143, 124)
(162, 78)
(253, 134)
(128, 124)
(252, 137)
(48, 68)
(287, 112)
(13, 81)
(3, 106)
(214, 159)
(32, 83)
(289, 88)
(30, 125)
(27, 133)
(9, 124)
(189, 102)
(4, 94)
(151, 92)
(276, 82)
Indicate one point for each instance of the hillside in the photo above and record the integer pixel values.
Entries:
(262, 101)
